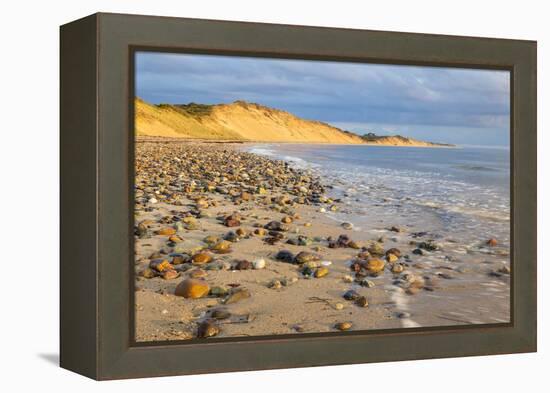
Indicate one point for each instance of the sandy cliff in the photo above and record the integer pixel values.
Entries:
(236, 121)
(244, 121)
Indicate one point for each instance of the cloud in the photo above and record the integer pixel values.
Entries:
(334, 92)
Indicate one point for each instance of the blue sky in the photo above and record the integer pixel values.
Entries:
(452, 105)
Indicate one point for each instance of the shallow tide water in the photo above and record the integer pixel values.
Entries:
(460, 192)
(458, 197)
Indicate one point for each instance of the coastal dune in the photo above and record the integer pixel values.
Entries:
(245, 121)
(239, 120)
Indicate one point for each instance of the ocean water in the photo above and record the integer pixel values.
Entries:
(462, 193)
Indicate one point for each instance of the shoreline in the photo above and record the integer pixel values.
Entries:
(162, 139)
(410, 290)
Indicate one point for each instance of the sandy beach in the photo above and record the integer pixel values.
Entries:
(230, 244)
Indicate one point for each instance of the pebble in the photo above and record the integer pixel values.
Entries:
(238, 295)
(276, 226)
(160, 265)
(347, 225)
(397, 268)
(259, 263)
(343, 326)
(243, 265)
(403, 315)
(166, 231)
(148, 273)
(219, 291)
(198, 273)
(375, 265)
(362, 302)
(394, 251)
(391, 258)
(226, 265)
(192, 288)
(300, 241)
(305, 256)
(231, 237)
(170, 274)
(175, 239)
(351, 295)
(221, 246)
(275, 284)
(367, 283)
(178, 259)
(347, 278)
(428, 246)
(376, 249)
(232, 223)
(491, 242)
(207, 329)
(321, 272)
(201, 258)
(285, 256)
(338, 306)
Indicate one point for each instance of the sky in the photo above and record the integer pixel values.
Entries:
(452, 105)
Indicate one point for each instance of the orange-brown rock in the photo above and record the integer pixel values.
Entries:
(192, 288)
(160, 265)
(166, 231)
(221, 246)
(198, 273)
(375, 265)
(260, 231)
(492, 242)
(201, 258)
(286, 220)
(170, 274)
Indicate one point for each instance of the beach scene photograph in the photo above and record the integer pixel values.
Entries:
(293, 197)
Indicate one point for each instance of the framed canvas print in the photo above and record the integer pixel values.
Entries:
(241, 196)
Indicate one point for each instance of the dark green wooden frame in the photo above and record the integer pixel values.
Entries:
(97, 201)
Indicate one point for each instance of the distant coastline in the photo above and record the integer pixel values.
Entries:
(242, 121)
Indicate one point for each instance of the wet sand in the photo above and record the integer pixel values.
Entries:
(194, 189)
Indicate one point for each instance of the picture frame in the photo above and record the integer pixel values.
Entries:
(97, 267)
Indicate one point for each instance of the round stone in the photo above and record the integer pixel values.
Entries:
(391, 258)
(259, 263)
(192, 288)
(343, 326)
(375, 265)
(362, 302)
(321, 272)
(201, 258)
(166, 231)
